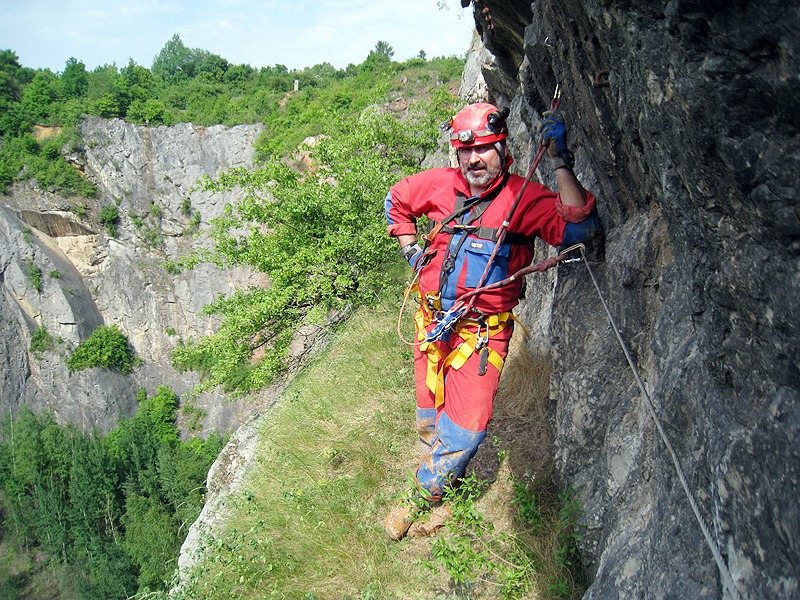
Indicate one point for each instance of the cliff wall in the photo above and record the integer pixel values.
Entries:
(90, 277)
(684, 120)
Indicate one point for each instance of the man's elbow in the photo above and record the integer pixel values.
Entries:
(577, 233)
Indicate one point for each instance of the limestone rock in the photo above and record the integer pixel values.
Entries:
(90, 278)
(684, 120)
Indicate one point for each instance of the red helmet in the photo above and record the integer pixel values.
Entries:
(478, 124)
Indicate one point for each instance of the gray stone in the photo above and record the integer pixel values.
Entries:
(684, 120)
(121, 279)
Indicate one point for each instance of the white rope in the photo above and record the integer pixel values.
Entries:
(725, 575)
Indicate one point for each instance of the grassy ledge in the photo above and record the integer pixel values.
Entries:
(336, 453)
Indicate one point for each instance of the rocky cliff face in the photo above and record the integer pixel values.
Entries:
(90, 277)
(684, 120)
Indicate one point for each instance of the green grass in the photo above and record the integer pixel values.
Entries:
(334, 456)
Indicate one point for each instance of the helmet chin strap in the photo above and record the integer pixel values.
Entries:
(501, 151)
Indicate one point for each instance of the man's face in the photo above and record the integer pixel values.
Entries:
(480, 165)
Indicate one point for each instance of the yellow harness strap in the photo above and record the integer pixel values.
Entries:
(456, 359)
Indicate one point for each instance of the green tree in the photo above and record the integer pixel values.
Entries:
(95, 500)
(150, 111)
(39, 94)
(12, 77)
(138, 89)
(22, 466)
(208, 66)
(151, 539)
(383, 49)
(106, 571)
(34, 474)
(103, 95)
(300, 231)
(50, 495)
(114, 509)
(173, 62)
(176, 62)
(74, 79)
(238, 75)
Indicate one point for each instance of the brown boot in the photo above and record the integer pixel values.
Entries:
(436, 518)
(400, 519)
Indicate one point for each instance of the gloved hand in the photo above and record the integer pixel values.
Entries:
(413, 253)
(554, 133)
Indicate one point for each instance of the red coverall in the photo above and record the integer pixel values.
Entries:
(452, 431)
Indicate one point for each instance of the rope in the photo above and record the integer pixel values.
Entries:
(727, 580)
(501, 234)
(406, 295)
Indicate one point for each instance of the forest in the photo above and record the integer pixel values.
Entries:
(182, 85)
(103, 516)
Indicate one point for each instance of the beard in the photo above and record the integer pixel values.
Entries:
(482, 178)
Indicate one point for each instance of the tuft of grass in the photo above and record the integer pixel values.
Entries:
(41, 341)
(34, 274)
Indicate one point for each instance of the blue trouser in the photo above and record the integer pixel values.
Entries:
(448, 449)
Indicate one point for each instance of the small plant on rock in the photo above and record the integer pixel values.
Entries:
(109, 217)
(34, 274)
(41, 341)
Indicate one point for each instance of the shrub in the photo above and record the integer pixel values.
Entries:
(107, 348)
(109, 216)
(41, 341)
(34, 274)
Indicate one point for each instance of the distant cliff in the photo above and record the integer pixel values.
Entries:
(684, 118)
(90, 276)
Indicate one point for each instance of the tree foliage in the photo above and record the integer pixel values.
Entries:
(112, 510)
(92, 503)
(182, 85)
(320, 237)
(107, 347)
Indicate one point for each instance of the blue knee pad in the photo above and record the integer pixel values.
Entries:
(426, 427)
(448, 457)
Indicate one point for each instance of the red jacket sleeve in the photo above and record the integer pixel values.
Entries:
(417, 195)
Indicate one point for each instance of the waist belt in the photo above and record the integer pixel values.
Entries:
(474, 332)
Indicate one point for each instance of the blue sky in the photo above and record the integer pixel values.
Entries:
(295, 33)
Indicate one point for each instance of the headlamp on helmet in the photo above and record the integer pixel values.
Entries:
(478, 124)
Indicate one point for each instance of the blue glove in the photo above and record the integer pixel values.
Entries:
(412, 253)
(554, 133)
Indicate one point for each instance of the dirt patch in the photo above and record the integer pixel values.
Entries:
(45, 132)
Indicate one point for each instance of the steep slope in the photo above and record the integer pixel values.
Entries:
(683, 117)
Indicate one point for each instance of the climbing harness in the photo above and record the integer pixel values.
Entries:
(447, 320)
(462, 318)
(725, 575)
(474, 333)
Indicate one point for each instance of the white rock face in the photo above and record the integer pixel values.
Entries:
(90, 278)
